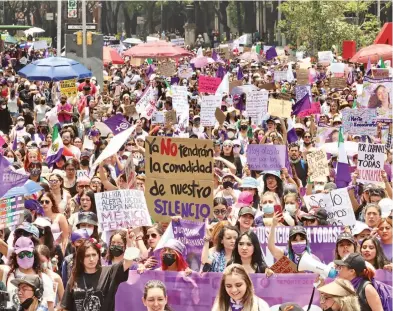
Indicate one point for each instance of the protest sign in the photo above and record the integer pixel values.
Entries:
(180, 104)
(170, 117)
(359, 121)
(301, 91)
(370, 162)
(208, 84)
(336, 203)
(266, 157)
(179, 179)
(318, 165)
(284, 265)
(144, 101)
(68, 87)
(315, 109)
(269, 86)
(11, 211)
(167, 69)
(280, 76)
(82, 173)
(121, 209)
(220, 116)
(234, 83)
(10, 179)
(338, 83)
(185, 72)
(380, 73)
(280, 108)
(178, 41)
(208, 109)
(302, 76)
(256, 105)
(158, 117)
(40, 45)
(325, 57)
(299, 55)
(136, 61)
(191, 234)
(337, 67)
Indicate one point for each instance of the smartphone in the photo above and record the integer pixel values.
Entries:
(277, 209)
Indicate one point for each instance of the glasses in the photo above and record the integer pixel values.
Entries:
(84, 186)
(53, 181)
(153, 236)
(96, 182)
(27, 254)
(307, 136)
(160, 134)
(70, 170)
(324, 298)
(220, 212)
(24, 289)
(45, 201)
(227, 145)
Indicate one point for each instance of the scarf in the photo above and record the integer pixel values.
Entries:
(219, 263)
(235, 306)
(294, 161)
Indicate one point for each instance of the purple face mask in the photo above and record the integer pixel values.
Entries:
(25, 263)
(299, 247)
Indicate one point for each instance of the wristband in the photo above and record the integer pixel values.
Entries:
(309, 181)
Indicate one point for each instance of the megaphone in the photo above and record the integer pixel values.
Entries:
(309, 263)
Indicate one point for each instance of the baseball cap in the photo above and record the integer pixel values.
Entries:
(32, 280)
(317, 213)
(353, 261)
(297, 230)
(42, 222)
(346, 236)
(28, 227)
(79, 234)
(23, 244)
(339, 287)
(87, 218)
(245, 199)
(247, 210)
(360, 226)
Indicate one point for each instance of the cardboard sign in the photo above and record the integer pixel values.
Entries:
(68, 87)
(337, 205)
(318, 165)
(280, 108)
(359, 121)
(137, 62)
(266, 157)
(129, 171)
(284, 265)
(256, 105)
(269, 86)
(167, 69)
(234, 83)
(302, 76)
(371, 159)
(158, 117)
(280, 76)
(338, 83)
(220, 116)
(380, 73)
(11, 211)
(121, 209)
(170, 117)
(179, 179)
(129, 110)
(208, 109)
(315, 109)
(208, 84)
(285, 96)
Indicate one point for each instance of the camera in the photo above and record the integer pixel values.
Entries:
(4, 297)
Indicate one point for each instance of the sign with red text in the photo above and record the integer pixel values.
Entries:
(371, 159)
(208, 84)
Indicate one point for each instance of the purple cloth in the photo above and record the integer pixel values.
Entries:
(239, 72)
(220, 72)
(214, 55)
(271, 53)
(301, 105)
(9, 178)
(117, 124)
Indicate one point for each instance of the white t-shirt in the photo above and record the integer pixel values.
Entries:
(41, 110)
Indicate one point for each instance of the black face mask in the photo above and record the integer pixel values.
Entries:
(85, 162)
(169, 259)
(27, 303)
(243, 127)
(75, 120)
(227, 184)
(35, 171)
(116, 250)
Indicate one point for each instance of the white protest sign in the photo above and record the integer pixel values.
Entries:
(144, 101)
(158, 117)
(185, 72)
(359, 121)
(337, 67)
(180, 104)
(280, 76)
(325, 57)
(337, 205)
(370, 162)
(299, 55)
(256, 105)
(208, 109)
(82, 173)
(318, 165)
(40, 45)
(121, 209)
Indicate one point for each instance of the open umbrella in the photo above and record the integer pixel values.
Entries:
(54, 69)
(110, 55)
(155, 49)
(374, 52)
(133, 41)
(33, 30)
(10, 39)
(251, 56)
(201, 61)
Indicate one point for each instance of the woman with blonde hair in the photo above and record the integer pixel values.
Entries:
(236, 292)
(339, 296)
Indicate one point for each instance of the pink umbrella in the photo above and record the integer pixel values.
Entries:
(251, 56)
(156, 49)
(375, 52)
(201, 61)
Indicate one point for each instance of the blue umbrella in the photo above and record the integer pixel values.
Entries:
(54, 69)
(28, 188)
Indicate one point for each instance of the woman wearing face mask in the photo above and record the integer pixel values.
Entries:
(172, 257)
(226, 189)
(228, 155)
(155, 297)
(291, 206)
(13, 104)
(25, 261)
(87, 204)
(19, 130)
(372, 252)
(236, 292)
(117, 247)
(269, 200)
(339, 296)
(40, 110)
(10, 156)
(46, 266)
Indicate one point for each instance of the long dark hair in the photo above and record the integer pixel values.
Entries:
(55, 208)
(220, 237)
(156, 284)
(123, 236)
(90, 194)
(257, 257)
(79, 268)
(380, 259)
(13, 263)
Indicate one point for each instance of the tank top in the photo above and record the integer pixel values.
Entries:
(13, 104)
(72, 189)
(361, 293)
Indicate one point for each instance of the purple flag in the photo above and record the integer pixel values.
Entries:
(117, 124)
(9, 178)
(368, 70)
(239, 73)
(150, 70)
(214, 55)
(271, 53)
(301, 105)
(175, 80)
(220, 72)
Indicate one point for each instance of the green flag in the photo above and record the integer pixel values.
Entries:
(354, 105)
(149, 61)
(382, 63)
(258, 49)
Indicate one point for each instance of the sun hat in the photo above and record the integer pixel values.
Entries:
(249, 182)
(339, 287)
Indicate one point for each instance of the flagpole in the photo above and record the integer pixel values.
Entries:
(58, 28)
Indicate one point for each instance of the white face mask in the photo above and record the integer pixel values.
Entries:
(21, 123)
(89, 231)
(290, 208)
(11, 160)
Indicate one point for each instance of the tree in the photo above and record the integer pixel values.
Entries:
(223, 17)
(110, 13)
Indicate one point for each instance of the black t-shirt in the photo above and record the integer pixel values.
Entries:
(96, 291)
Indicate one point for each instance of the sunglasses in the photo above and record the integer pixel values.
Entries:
(55, 181)
(45, 201)
(307, 136)
(160, 134)
(22, 255)
(153, 236)
(220, 211)
(84, 186)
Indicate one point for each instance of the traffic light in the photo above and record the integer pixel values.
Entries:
(79, 38)
(89, 38)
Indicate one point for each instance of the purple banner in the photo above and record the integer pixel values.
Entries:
(191, 234)
(9, 178)
(266, 157)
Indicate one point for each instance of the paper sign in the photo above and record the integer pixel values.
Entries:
(68, 87)
(318, 165)
(144, 101)
(179, 179)
(359, 121)
(338, 83)
(208, 109)
(299, 55)
(121, 209)
(325, 57)
(280, 108)
(284, 265)
(256, 105)
(11, 212)
(158, 117)
(40, 45)
(266, 157)
(301, 91)
(315, 109)
(170, 117)
(185, 72)
(337, 67)
(220, 116)
(370, 162)
(337, 205)
(302, 76)
(280, 76)
(167, 69)
(380, 73)
(82, 173)
(208, 84)
(180, 100)
(234, 83)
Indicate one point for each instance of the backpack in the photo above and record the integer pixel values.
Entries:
(384, 291)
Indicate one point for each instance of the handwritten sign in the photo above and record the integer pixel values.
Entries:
(338, 83)
(318, 165)
(380, 73)
(170, 117)
(179, 100)
(301, 91)
(315, 109)
(256, 105)
(68, 87)
(280, 76)
(208, 84)
(144, 101)
(266, 157)
(302, 76)
(325, 57)
(208, 109)
(337, 205)
(82, 173)
(167, 69)
(359, 121)
(179, 179)
(284, 265)
(121, 209)
(11, 211)
(370, 162)
(158, 117)
(280, 108)
(185, 72)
